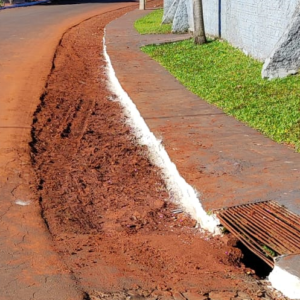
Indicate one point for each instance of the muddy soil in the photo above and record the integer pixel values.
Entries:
(103, 201)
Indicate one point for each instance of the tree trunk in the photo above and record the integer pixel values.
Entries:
(199, 32)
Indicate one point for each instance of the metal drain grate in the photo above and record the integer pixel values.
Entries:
(266, 228)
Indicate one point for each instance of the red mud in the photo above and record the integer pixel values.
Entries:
(105, 204)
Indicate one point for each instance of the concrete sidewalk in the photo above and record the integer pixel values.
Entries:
(227, 162)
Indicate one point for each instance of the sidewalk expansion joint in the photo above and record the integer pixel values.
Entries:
(183, 116)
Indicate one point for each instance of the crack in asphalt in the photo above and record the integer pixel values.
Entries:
(22, 240)
(12, 268)
(9, 163)
(9, 283)
(14, 189)
(8, 209)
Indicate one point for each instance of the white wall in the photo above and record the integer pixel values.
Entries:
(253, 25)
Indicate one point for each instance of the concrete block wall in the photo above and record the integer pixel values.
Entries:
(258, 27)
(255, 25)
(211, 16)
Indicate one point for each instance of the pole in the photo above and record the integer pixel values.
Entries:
(220, 18)
(142, 4)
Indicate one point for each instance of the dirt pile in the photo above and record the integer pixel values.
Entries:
(105, 203)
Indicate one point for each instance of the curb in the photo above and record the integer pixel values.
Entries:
(285, 276)
(180, 191)
(25, 4)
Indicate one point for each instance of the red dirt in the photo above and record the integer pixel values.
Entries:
(105, 204)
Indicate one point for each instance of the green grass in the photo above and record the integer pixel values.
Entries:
(269, 252)
(152, 23)
(227, 78)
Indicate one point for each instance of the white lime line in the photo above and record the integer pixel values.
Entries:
(285, 282)
(23, 202)
(180, 191)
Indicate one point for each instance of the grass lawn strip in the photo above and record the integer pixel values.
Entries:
(151, 24)
(227, 78)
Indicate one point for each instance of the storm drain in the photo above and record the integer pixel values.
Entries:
(266, 228)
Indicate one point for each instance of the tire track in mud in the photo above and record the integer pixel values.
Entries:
(105, 204)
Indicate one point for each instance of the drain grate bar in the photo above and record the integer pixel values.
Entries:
(286, 215)
(264, 218)
(248, 243)
(261, 232)
(267, 217)
(266, 228)
(254, 230)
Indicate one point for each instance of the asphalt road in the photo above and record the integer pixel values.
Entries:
(29, 268)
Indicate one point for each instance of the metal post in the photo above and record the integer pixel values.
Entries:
(142, 4)
(220, 18)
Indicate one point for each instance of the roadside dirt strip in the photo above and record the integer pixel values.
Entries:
(106, 205)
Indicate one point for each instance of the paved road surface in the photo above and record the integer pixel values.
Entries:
(29, 269)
